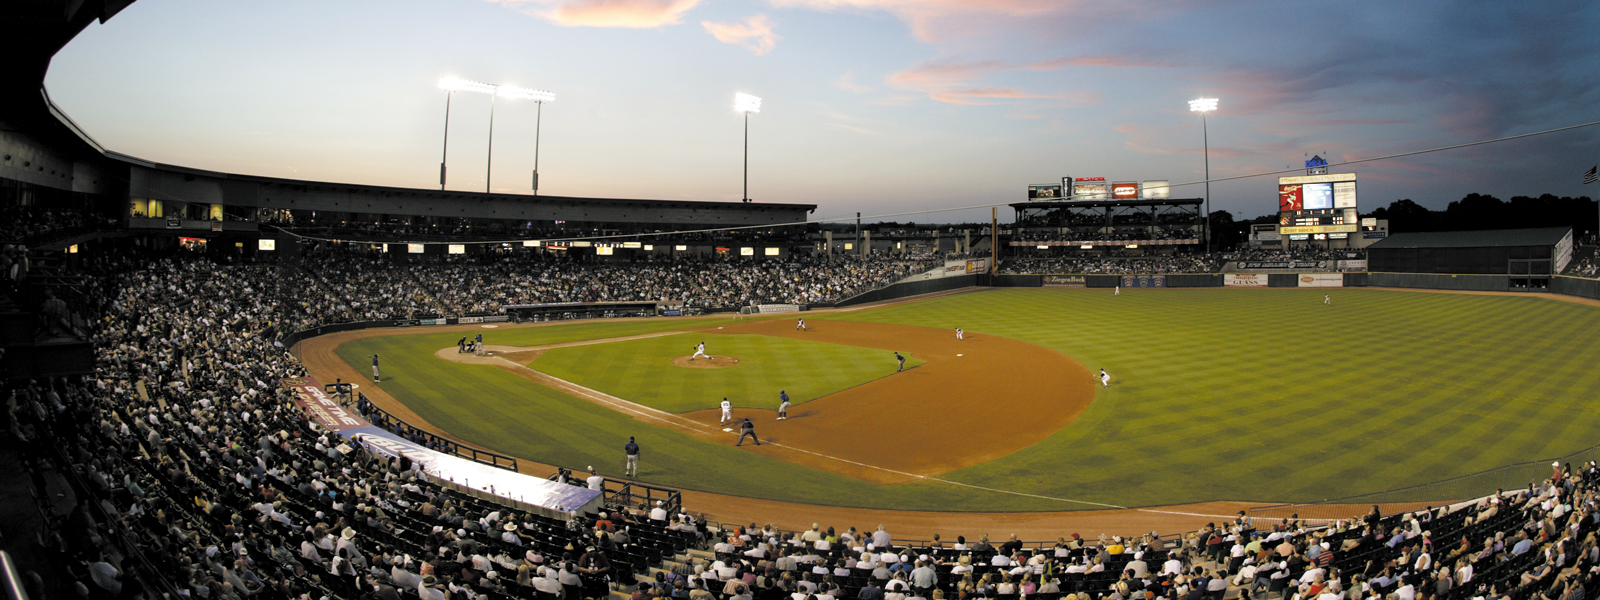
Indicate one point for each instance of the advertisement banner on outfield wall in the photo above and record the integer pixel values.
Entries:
(1066, 281)
(1244, 280)
(1144, 281)
(322, 408)
(469, 320)
(1353, 265)
(1321, 280)
(978, 265)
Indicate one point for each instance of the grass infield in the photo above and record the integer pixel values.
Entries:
(1217, 394)
(642, 370)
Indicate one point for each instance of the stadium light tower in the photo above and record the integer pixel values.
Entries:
(1203, 106)
(746, 104)
(451, 85)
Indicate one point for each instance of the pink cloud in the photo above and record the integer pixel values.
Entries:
(845, 84)
(754, 33)
(632, 14)
(933, 20)
(959, 83)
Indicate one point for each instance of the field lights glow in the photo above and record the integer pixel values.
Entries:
(453, 84)
(1203, 104)
(746, 103)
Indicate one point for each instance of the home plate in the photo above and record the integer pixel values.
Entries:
(960, 355)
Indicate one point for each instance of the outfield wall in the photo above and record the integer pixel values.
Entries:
(906, 289)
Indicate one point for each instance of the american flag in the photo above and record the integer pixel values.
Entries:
(1593, 175)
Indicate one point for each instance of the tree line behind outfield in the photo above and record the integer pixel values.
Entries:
(1474, 212)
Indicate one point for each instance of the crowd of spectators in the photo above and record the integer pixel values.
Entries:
(204, 478)
(1122, 234)
(1113, 265)
(18, 223)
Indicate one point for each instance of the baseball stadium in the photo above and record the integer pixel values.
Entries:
(226, 385)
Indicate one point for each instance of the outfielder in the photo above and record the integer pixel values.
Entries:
(1105, 378)
(374, 368)
(727, 411)
(1327, 300)
(1118, 291)
(700, 350)
(783, 405)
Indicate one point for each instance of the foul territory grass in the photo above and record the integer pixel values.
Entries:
(1217, 394)
(642, 370)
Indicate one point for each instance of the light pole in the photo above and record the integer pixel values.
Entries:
(451, 84)
(746, 104)
(1203, 106)
(539, 97)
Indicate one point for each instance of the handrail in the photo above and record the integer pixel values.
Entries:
(13, 581)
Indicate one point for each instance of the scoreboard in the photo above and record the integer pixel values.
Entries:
(1318, 207)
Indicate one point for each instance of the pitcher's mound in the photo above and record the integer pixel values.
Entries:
(715, 362)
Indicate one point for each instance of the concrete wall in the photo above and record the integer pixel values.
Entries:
(24, 159)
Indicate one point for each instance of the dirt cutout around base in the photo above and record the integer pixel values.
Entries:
(972, 401)
(714, 362)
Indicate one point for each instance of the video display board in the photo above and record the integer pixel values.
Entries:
(1090, 188)
(1044, 191)
(1317, 192)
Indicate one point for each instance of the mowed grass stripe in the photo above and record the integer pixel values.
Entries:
(642, 370)
(1217, 394)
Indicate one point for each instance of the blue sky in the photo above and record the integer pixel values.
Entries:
(877, 106)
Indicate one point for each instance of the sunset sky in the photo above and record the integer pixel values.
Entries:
(877, 106)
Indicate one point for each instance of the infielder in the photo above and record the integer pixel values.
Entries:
(1105, 378)
(374, 368)
(632, 450)
(783, 405)
(801, 325)
(727, 411)
(700, 350)
(902, 360)
(960, 335)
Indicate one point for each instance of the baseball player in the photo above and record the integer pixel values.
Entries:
(960, 335)
(477, 344)
(747, 429)
(1105, 378)
(902, 360)
(700, 350)
(1327, 300)
(374, 368)
(632, 450)
(783, 405)
(727, 411)
(800, 325)
(1118, 291)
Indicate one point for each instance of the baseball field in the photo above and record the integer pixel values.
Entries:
(1216, 394)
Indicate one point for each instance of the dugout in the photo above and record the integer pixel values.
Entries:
(1527, 256)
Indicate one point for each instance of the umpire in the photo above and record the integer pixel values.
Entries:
(747, 429)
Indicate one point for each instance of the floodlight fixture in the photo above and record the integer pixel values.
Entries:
(452, 84)
(519, 93)
(1201, 105)
(746, 103)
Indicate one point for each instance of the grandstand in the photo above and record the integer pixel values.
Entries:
(165, 442)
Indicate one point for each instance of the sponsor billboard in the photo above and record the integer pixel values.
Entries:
(1155, 189)
(1321, 280)
(1090, 188)
(416, 248)
(1244, 280)
(1318, 229)
(1344, 194)
(1289, 198)
(1044, 191)
(1125, 190)
(1068, 281)
(1329, 178)
(266, 244)
(1144, 281)
(1284, 264)
(324, 409)
(978, 265)
(1352, 265)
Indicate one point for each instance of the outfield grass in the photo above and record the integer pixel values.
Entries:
(642, 371)
(1218, 394)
